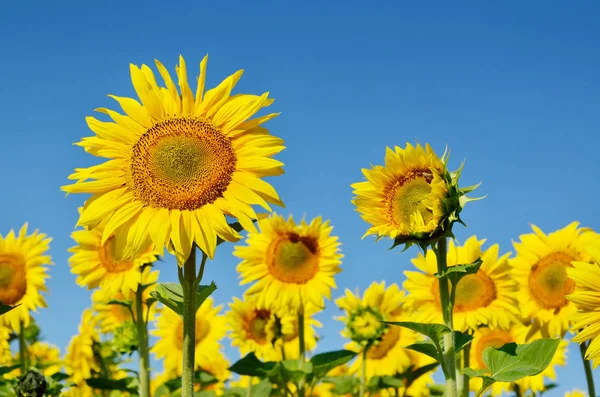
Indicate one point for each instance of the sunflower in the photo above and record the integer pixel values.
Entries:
(576, 393)
(210, 329)
(291, 264)
(5, 358)
(586, 299)
(96, 265)
(112, 316)
(23, 274)
(45, 357)
(178, 164)
(484, 298)
(79, 359)
(540, 266)
(518, 333)
(218, 366)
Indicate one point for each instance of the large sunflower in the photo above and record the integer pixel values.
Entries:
(210, 329)
(586, 299)
(96, 265)
(518, 333)
(23, 274)
(540, 266)
(485, 298)
(178, 164)
(405, 197)
(291, 264)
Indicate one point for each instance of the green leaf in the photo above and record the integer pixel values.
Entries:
(235, 392)
(170, 295)
(59, 376)
(252, 366)
(342, 384)
(475, 373)
(295, 370)
(426, 347)
(8, 369)
(150, 301)
(262, 389)
(457, 272)
(111, 384)
(324, 362)
(437, 390)
(512, 362)
(414, 374)
(120, 302)
(203, 292)
(6, 308)
(162, 391)
(461, 339)
(205, 393)
(205, 378)
(434, 331)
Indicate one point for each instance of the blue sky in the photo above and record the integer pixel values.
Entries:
(513, 88)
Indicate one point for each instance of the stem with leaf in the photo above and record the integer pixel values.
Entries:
(188, 284)
(143, 351)
(588, 369)
(23, 352)
(449, 355)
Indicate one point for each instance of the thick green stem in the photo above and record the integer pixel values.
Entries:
(189, 324)
(302, 346)
(588, 370)
(363, 374)
(142, 333)
(517, 390)
(449, 355)
(23, 352)
(464, 391)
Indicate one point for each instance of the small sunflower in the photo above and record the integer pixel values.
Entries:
(484, 298)
(576, 393)
(96, 265)
(291, 264)
(218, 366)
(540, 266)
(518, 333)
(44, 357)
(79, 359)
(178, 164)
(586, 299)
(23, 274)
(412, 198)
(210, 329)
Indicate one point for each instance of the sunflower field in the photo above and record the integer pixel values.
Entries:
(184, 173)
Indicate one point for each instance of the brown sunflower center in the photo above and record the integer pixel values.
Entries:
(293, 258)
(13, 281)
(257, 327)
(107, 257)
(181, 163)
(202, 330)
(496, 339)
(406, 197)
(472, 292)
(548, 281)
(387, 343)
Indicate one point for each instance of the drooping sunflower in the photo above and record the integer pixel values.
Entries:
(79, 359)
(96, 263)
(210, 329)
(23, 274)
(518, 332)
(178, 164)
(586, 299)
(540, 266)
(484, 298)
(291, 264)
(112, 316)
(412, 198)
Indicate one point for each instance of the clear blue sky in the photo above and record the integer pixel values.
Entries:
(511, 86)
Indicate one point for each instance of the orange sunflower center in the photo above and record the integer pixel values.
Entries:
(472, 292)
(293, 258)
(494, 339)
(406, 197)
(202, 330)
(548, 281)
(107, 257)
(387, 343)
(257, 326)
(13, 281)
(181, 163)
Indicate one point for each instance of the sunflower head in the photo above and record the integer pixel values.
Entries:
(178, 164)
(412, 199)
(291, 264)
(365, 325)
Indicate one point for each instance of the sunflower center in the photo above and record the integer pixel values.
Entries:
(258, 326)
(365, 325)
(202, 330)
(548, 281)
(387, 342)
(406, 198)
(107, 257)
(293, 258)
(494, 339)
(472, 292)
(13, 282)
(181, 163)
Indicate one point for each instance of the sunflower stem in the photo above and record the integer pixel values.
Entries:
(449, 356)
(302, 347)
(189, 324)
(588, 369)
(363, 374)
(142, 333)
(23, 352)
(465, 363)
